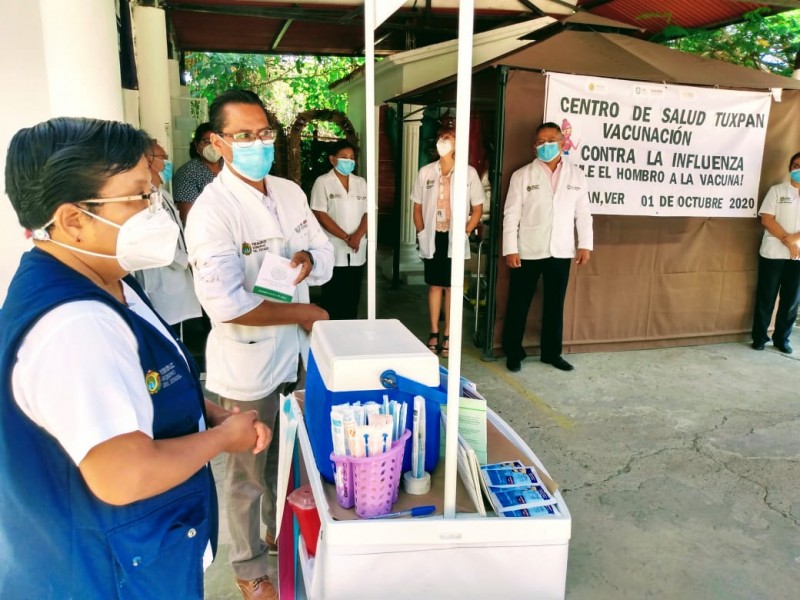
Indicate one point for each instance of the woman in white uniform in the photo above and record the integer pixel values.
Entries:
(339, 201)
(779, 262)
(433, 220)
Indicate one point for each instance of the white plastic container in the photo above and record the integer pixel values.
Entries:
(351, 355)
(469, 557)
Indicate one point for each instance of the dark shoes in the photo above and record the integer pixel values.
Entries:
(260, 588)
(515, 364)
(758, 345)
(785, 348)
(559, 363)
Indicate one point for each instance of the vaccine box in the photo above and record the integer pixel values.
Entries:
(346, 363)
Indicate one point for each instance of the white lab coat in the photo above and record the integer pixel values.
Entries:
(426, 193)
(538, 223)
(227, 232)
(170, 288)
(783, 202)
(346, 208)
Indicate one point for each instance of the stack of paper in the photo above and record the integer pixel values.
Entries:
(516, 490)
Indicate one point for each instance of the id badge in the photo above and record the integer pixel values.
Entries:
(440, 215)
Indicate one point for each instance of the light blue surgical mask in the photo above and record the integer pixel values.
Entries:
(547, 152)
(345, 166)
(795, 175)
(166, 172)
(254, 160)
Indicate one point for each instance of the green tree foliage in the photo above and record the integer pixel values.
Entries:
(768, 43)
(288, 85)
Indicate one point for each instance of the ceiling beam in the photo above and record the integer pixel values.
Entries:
(279, 36)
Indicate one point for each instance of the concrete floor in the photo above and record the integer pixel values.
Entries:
(681, 466)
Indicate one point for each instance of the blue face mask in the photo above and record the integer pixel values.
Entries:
(548, 151)
(795, 175)
(345, 166)
(166, 172)
(253, 162)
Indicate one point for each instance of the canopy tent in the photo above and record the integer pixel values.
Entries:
(652, 281)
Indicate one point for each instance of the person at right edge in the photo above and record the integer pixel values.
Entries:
(779, 262)
(547, 200)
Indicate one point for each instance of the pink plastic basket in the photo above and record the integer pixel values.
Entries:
(375, 480)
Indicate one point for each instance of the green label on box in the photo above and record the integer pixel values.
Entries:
(272, 294)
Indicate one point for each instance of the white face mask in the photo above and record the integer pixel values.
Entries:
(211, 154)
(145, 241)
(444, 147)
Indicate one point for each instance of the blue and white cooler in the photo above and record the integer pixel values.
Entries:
(364, 360)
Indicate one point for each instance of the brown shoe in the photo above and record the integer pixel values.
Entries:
(258, 589)
(272, 546)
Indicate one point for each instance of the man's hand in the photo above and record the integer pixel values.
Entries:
(513, 261)
(790, 241)
(354, 241)
(302, 258)
(311, 314)
(583, 256)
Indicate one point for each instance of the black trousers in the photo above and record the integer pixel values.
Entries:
(341, 295)
(774, 276)
(522, 285)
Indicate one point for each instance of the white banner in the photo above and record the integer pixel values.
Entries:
(659, 149)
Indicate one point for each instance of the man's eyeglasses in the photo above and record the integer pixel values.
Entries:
(154, 200)
(247, 138)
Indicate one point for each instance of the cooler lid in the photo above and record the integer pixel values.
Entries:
(351, 355)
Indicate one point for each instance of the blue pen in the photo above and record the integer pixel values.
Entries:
(417, 511)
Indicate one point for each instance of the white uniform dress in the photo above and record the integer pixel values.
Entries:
(346, 208)
(426, 193)
(341, 295)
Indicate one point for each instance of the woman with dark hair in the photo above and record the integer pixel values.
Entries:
(339, 201)
(105, 437)
(432, 197)
(195, 175)
(779, 262)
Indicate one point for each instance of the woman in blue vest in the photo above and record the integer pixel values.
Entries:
(105, 436)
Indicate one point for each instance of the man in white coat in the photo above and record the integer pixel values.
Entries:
(169, 288)
(547, 200)
(254, 349)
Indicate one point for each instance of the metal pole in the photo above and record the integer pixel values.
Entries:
(372, 180)
(459, 206)
(495, 217)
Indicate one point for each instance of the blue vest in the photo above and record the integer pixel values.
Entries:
(58, 540)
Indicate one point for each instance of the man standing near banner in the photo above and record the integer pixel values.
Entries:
(547, 200)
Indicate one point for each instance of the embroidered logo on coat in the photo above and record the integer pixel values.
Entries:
(429, 184)
(247, 249)
(303, 225)
(573, 187)
(152, 380)
(533, 187)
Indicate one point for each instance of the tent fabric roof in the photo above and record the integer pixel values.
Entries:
(616, 56)
(621, 56)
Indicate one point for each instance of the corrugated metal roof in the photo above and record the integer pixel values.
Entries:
(321, 27)
(655, 15)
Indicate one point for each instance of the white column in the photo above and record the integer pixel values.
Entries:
(82, 58)
(60, 59)
(408, 233)
(155, 115)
